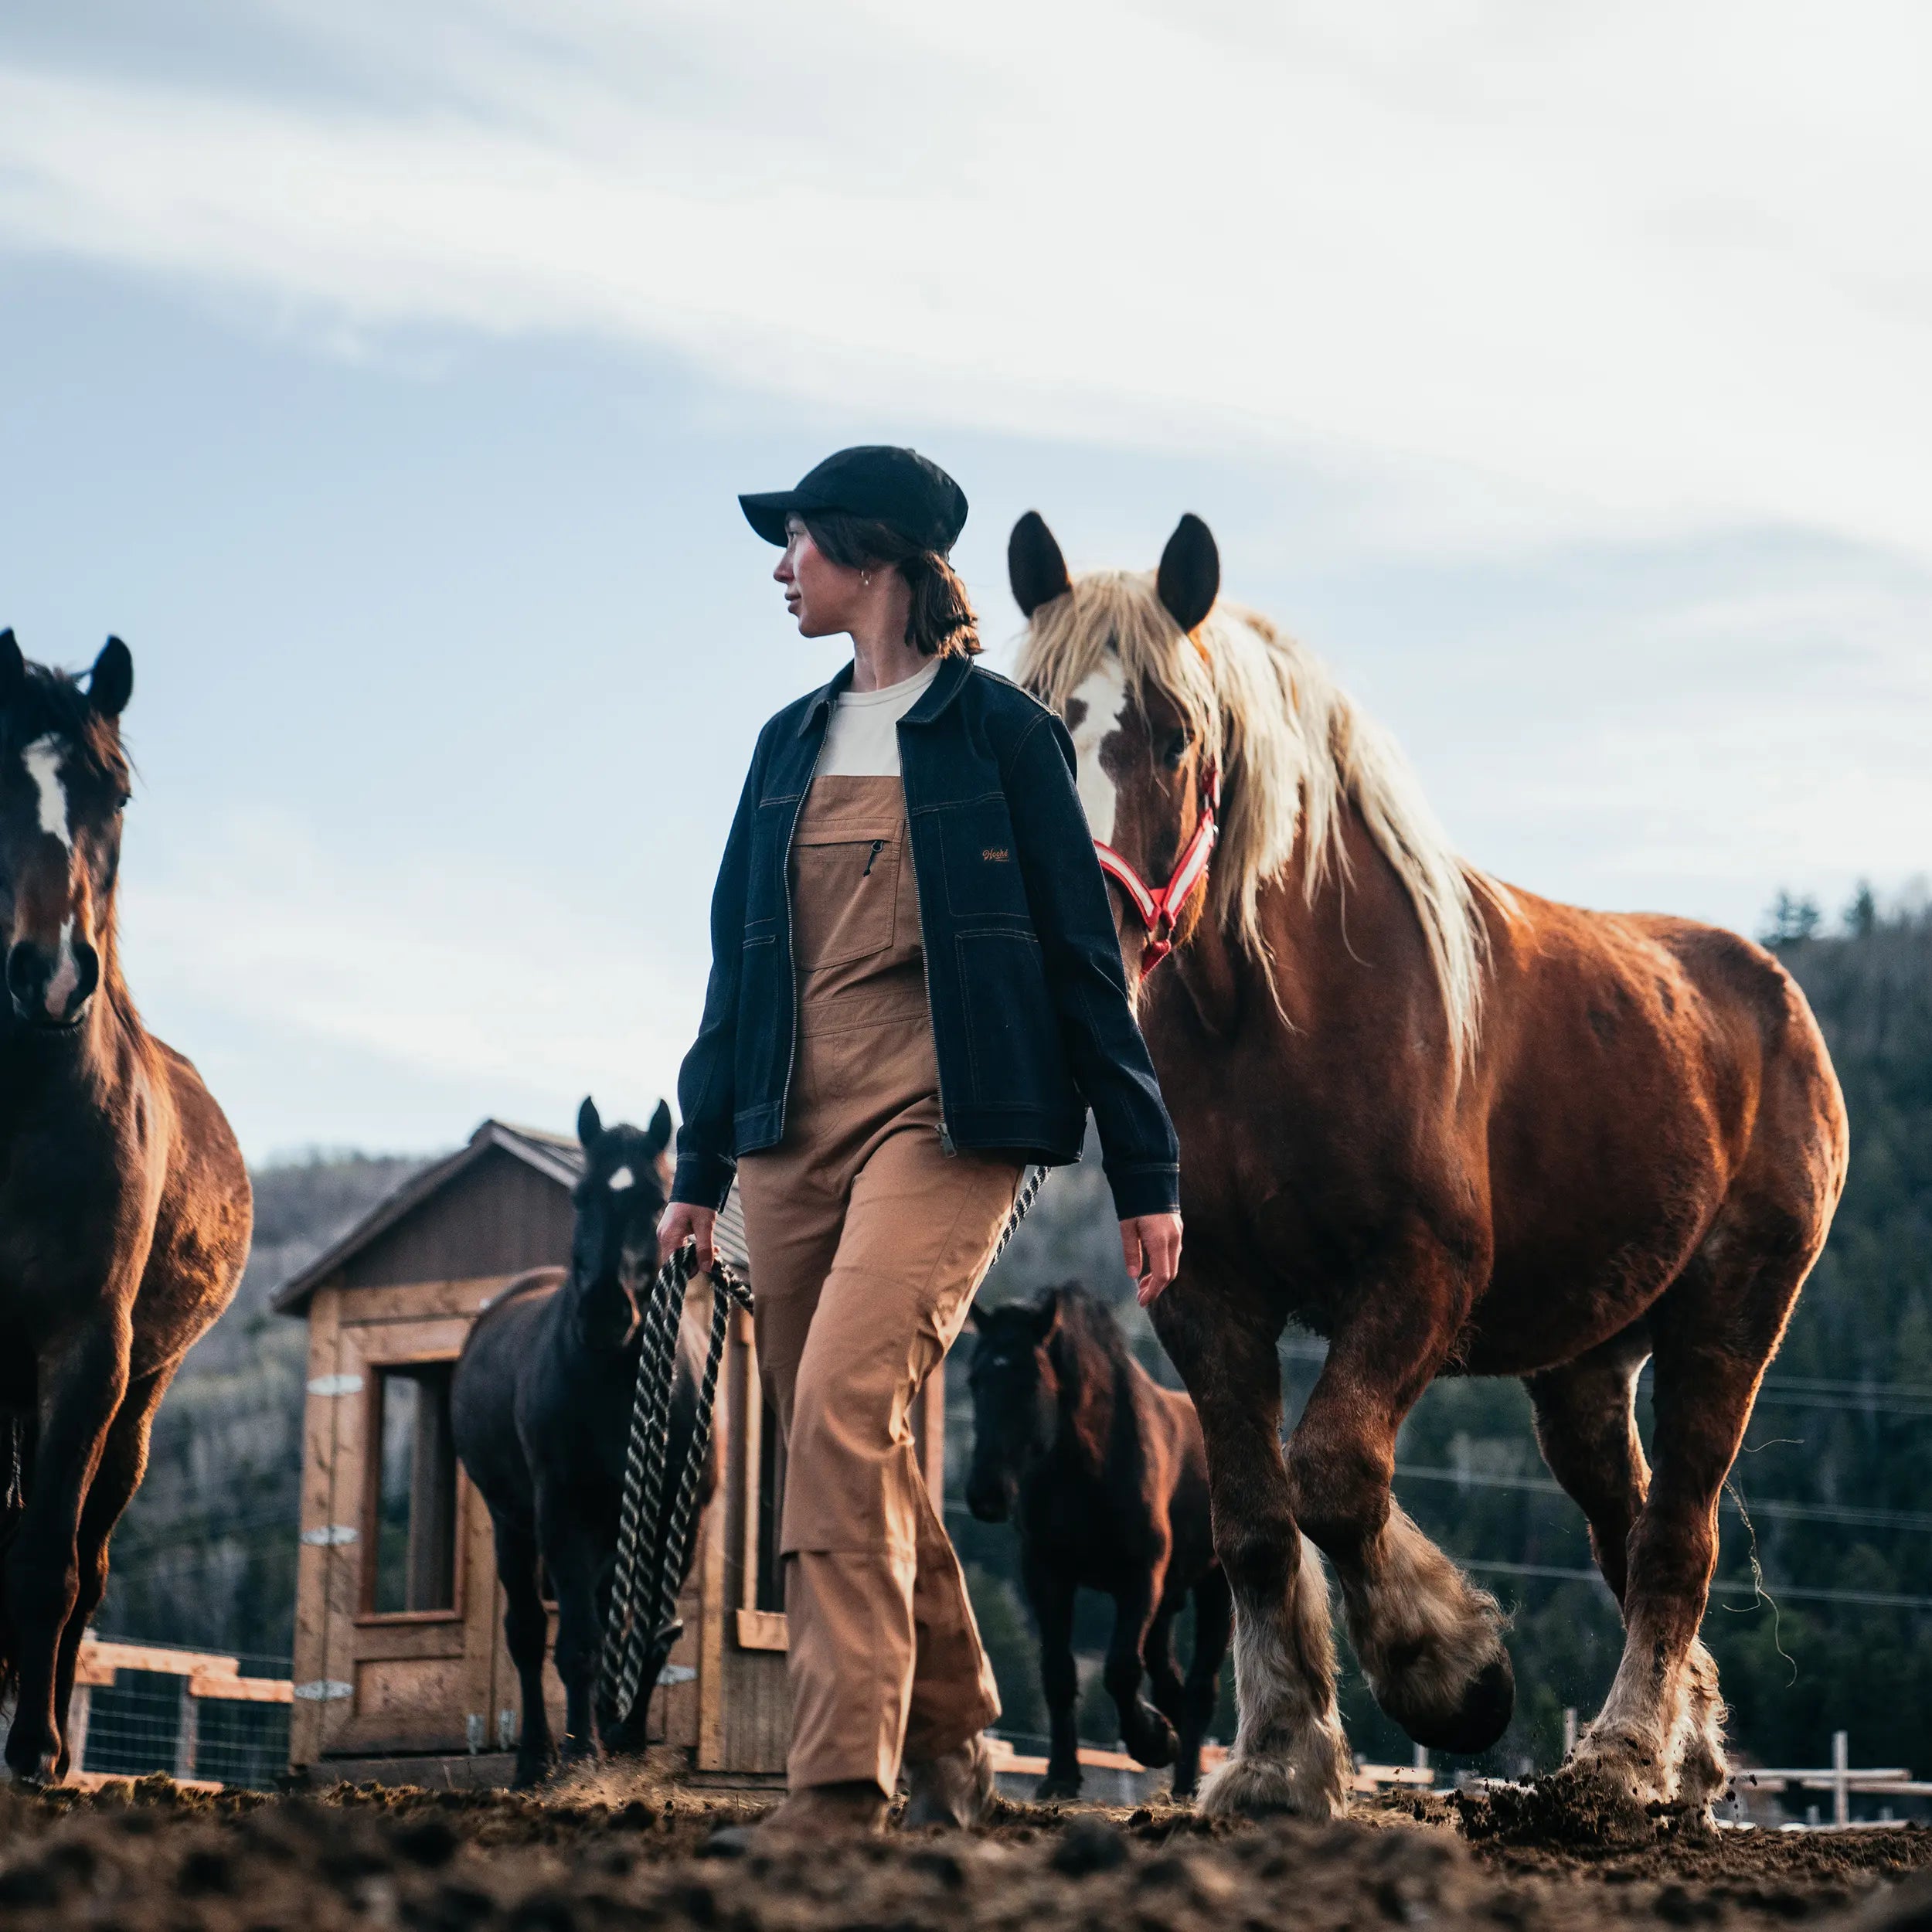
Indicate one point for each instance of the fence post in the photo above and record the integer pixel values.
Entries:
(1569, 1731)
(79, 1706)
(1422, 1758)
(1840, 1783)
(185, 1733)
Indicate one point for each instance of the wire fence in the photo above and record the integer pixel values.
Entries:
(144, 1707)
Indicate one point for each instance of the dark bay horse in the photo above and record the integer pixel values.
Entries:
(540, 1406)
(124, 1205)
(1457, 1129)
(1105, 1475)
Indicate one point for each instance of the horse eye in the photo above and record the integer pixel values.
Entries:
(1176, 749)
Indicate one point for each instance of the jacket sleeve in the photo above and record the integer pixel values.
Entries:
(1066, 892)
(706, 1091)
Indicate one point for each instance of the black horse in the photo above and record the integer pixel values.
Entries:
(1107, 1473)
(541, 1408)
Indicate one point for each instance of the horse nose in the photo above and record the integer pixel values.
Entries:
(51, 989)
(986, 1497)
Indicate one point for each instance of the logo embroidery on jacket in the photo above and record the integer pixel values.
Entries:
(996, 855)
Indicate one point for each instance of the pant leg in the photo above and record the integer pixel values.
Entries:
(954, 1695)
(794, 1210)
(920, 1231)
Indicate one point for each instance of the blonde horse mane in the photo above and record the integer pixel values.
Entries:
(1293, 750)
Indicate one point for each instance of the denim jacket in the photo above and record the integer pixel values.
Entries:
(1030, 1016)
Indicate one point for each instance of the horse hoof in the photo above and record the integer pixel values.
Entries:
(1054, 1789)
(1488, 1704)
(1260, 1787)
(1151, 1741)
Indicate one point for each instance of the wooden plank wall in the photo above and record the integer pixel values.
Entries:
(497, 1218)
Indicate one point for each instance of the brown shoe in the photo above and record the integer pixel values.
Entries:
(956, 1790)
(822, 1811)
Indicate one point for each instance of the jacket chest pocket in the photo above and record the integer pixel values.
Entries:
(844, 892)
(982, 870)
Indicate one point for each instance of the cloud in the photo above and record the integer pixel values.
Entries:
(1557, 270)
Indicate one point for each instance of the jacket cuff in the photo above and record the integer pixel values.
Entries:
(1145, 1190)
(702, 1180)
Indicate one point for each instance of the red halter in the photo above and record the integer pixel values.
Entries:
(1161, 911)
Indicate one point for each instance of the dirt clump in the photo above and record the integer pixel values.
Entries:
(640, 1853)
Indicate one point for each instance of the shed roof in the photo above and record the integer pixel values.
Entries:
(557, 1157)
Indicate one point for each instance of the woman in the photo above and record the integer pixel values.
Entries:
(915, 989)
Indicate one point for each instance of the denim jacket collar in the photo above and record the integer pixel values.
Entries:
(954, 669)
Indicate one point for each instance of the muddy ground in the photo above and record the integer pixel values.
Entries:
(628, 1853)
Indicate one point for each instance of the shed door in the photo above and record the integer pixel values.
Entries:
(408, 1604)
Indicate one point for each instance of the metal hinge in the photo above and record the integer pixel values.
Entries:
(335, 1385)
(325, 1690)
(330, 1536)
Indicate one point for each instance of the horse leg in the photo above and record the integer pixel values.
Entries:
(1050, 1593)
(124, 1461)
(1660, 1734)
(1430, 1642)
(571, 1558)
(82, 1391)
(526, 1630)
(1148, 1736)
(1214, 1615)
(1586, 1416)
(1163, 1676)
(1289, 1753)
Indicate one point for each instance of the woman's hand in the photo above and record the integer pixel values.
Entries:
(1151, 1245)
(684, 1221)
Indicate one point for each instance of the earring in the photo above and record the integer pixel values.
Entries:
(865, 577)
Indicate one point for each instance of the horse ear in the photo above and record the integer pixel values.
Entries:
(590, 1125)
(1046, 1315)
(13, 667)
(659, 1137)
(1034, 565)
(112, 682)
(1190, 574)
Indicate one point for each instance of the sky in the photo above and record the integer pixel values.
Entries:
(384, 376)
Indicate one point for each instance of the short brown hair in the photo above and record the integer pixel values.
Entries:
(941, 622)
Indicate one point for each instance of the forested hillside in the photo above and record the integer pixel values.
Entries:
(206, 1553)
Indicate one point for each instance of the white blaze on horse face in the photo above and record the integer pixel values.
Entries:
(1104, 695)
(43, 760)
(622, 1179)
(66, 975)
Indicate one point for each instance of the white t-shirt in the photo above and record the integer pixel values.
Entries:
(862, 736)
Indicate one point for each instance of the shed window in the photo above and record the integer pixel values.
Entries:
(413, 1538)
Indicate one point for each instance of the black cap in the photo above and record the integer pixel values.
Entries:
(900, 488)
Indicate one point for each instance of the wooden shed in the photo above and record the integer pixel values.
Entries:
(401, 1671)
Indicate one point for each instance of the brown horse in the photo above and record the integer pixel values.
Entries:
(1105, 1475)
(1457, 1129)
(124, 1205)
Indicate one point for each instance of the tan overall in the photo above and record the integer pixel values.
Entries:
(867, 1241)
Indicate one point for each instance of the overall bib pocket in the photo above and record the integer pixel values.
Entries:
(844, 890)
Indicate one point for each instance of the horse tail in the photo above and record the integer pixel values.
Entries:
(16, 1454)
